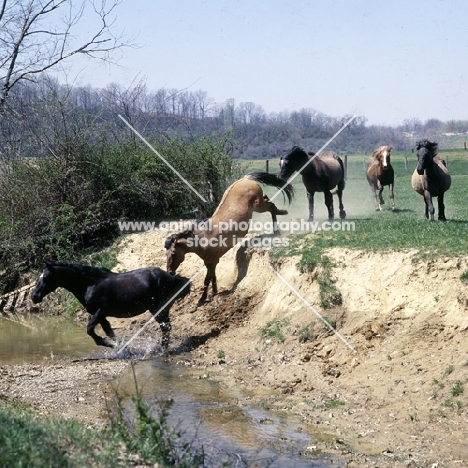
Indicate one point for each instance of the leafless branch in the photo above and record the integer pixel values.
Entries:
(34, 38)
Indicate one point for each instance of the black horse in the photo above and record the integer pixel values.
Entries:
(105, 293)
(320, 173)
(431, 178)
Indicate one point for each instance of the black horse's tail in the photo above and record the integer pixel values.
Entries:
(271, 179)
(341, 183)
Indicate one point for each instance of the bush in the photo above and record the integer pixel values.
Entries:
(57, 206)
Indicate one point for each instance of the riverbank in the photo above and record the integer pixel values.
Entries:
(392, 395)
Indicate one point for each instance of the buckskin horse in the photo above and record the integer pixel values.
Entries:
(105, 293)
(212, 238)
(431, 178)
(380, 173)
(320, 173)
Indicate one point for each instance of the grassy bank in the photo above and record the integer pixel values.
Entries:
(28, 439)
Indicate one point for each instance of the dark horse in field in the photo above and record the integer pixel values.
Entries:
(380, 173)
(431, 178)
(105, 293)
(320, 173)
(212, 238)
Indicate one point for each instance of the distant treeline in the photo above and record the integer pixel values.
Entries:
(41, 113)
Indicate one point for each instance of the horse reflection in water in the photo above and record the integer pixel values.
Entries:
(431, 178)
(380, 173)
(211, 239)
(104, 293)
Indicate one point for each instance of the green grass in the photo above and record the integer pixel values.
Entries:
(31, 440)
(306, 333)
(330, 403)
(402, 230)
(458, 388)
(275, 329)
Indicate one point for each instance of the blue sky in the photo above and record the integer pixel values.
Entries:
(384, 60)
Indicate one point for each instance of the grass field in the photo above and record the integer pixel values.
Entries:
(406, 228)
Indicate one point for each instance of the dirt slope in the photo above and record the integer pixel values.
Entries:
(395, 396)
(396, 400)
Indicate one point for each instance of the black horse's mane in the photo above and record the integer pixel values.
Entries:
(433, 147)
(85, 270)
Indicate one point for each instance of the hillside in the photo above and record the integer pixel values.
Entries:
(398, 400)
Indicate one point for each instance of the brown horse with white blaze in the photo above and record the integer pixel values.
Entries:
(380, 173)
(212, 238)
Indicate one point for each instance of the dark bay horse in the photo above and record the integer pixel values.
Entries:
(323, 173)
(105, 293)
(431, 178)
(380, 173)
(212, 238)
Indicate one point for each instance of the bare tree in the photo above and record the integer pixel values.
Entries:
(37, 35)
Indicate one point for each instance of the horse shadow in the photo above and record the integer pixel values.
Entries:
(192, 342)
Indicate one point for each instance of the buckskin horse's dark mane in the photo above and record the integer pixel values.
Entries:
(90, 272)
(433, 147)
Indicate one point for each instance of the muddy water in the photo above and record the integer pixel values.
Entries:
(35, 340)
(222, 419)
(208, 410)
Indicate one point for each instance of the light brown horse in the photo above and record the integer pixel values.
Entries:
(212, 238)
(380, 173)
(431, 178)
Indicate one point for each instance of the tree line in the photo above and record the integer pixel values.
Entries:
(45, 110)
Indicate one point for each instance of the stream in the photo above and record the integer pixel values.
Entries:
(207, 410)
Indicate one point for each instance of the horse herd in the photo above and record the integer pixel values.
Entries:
(104, 293)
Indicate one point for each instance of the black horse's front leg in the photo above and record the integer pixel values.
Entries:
(329, 203)
(392, 196)
(165, 327)
(310, 198)
(430, 210)
(441, 207)
(99, 317)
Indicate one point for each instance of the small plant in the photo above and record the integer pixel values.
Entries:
(274, 329)
(448, 370)
(464, 277)
(457, 389)
(439, 386)
(448, 403)
(221, 354)
(330, 403)
(306, 333)
(329, 294)
(330, 322)
(413, 417)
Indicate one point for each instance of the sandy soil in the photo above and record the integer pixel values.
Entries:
(386, 392)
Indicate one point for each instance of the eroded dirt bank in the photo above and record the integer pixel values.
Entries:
(397, 399)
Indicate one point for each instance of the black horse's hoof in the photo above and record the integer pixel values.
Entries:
(106, 343)
(342, 214)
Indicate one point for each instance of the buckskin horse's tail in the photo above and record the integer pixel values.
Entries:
(271, 179)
